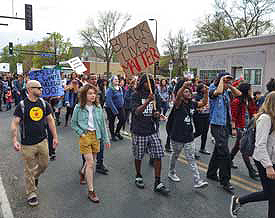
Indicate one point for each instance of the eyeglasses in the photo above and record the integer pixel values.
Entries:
(37, 88)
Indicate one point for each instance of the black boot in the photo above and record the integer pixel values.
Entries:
(113, 138)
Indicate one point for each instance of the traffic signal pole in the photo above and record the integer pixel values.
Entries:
(28, 17)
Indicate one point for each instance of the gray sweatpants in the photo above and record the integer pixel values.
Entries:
(189, 151)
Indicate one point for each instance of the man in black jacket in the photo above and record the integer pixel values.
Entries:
(145, 132)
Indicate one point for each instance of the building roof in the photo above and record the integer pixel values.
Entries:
(234, 43)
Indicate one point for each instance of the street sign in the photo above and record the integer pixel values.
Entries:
(170, 65)
(46, 55)
(19, 68)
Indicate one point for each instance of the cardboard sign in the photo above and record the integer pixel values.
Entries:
(50, 80)
(77, 65)
(19, 68)
(135, 49)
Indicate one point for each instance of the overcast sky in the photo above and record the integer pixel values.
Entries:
(69, 17)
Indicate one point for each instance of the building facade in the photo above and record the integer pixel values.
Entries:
(251, 58)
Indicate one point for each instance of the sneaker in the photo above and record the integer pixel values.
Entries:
(92, 196)
(228, 187)
(160, 188)
(204, 152)
(52, 157)
(201, 184)
(119, 136)
(173, 177)
(139, 182)
(101, 170)
(234, 206)
(32, 200)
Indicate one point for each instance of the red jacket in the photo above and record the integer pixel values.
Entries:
(238, 112)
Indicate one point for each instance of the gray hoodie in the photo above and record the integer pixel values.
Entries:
(265, 142)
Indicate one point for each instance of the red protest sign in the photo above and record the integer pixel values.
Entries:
(135, 49)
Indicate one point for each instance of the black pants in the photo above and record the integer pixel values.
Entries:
(112, 117)
(268, 193)
(201, 124)
(220, 158)
(127, 116)
(50, 142)
(69, 113)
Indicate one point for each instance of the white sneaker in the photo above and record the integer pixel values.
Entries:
(201, 184)
(173, 177)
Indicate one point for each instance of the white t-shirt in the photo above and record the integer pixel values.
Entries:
(91, 125)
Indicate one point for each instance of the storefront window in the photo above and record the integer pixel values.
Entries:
(253, 76)
(209, 75)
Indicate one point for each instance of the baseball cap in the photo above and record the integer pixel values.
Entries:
(221, 74)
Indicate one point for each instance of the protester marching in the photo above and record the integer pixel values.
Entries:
(133, 109)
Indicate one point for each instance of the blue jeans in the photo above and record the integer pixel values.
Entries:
(100, 155)
(164, 107)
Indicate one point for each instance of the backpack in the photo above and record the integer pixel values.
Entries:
(247, 142)
(170, 121)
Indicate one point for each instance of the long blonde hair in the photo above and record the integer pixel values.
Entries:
(268, 107)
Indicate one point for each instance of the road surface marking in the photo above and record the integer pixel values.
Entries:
(234, 179)
(254, 185)
(4, 202)
(243, 186)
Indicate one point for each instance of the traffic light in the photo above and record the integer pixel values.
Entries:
(10, 48)
(28, 17)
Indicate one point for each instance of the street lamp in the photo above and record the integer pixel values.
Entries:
(54, 40)
(156, 41)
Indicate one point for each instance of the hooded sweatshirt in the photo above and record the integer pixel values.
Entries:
(144, 124)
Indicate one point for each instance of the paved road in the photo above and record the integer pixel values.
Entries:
(61, 196)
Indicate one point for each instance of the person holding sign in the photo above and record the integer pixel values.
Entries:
(145, 134)
(88, 122)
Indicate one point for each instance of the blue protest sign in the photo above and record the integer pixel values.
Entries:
(50, 80)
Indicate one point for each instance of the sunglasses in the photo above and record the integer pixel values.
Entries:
(37, 88)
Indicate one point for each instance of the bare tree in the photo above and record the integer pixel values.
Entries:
(175, 47)
(109, 24)
(247, 17)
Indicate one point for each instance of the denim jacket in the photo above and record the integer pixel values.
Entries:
(218, 110)
(80, 122)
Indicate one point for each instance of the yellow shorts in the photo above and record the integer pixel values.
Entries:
(88, 143)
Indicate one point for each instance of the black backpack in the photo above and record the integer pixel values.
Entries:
(247, 142)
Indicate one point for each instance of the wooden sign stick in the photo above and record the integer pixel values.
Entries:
(150, 88)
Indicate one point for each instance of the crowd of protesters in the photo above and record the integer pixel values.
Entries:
(189, 107)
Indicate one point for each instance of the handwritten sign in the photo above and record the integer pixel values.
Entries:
(77, 65)
(50, 80)
(135, 49)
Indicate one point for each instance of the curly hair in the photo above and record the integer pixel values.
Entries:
(83, 95)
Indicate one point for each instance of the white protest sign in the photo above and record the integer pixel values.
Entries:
(135, 49)
(19, 68)
(77, 65)
(4, 67)
(189, 75)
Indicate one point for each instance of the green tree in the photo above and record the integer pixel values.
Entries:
(54, 43)
(213, 28)
(109, 24)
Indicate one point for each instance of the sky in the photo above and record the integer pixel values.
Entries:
(70, 17)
